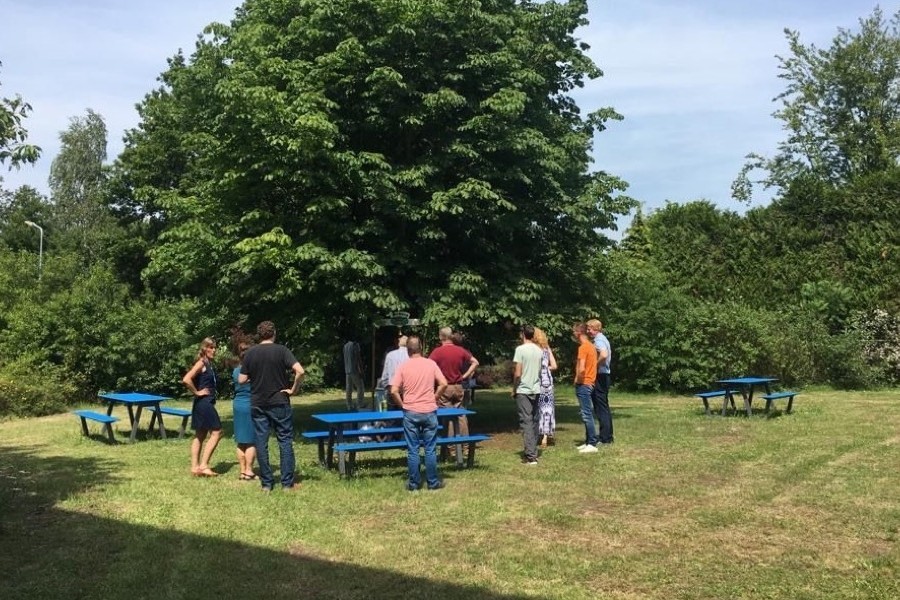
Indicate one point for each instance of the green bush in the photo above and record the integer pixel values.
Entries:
(29, 390)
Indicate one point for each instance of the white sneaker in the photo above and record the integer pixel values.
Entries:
(581, 447)
(588, 449)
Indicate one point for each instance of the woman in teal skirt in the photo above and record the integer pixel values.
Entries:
(244, 435)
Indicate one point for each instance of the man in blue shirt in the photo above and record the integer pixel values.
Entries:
(600, 395)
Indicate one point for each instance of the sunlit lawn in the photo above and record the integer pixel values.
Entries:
(805, 505)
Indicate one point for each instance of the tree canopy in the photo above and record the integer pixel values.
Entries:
(329, 160)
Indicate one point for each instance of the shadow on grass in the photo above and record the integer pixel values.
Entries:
(46, 552)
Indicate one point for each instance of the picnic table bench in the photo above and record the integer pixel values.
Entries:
(726, 395)
(175, 412)
(321, 437)
(769, 398)
(346, 466)
(107, 420)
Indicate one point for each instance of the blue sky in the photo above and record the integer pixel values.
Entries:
(694, 79)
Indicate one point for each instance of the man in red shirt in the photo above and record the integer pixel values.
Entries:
(457, 364)
(415, 387)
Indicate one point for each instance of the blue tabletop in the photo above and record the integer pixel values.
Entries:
(387, 415)
(133, 397)
(747, 380)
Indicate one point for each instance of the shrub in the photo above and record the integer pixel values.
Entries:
(28, 390)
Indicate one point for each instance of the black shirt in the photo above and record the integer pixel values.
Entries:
(267, 366)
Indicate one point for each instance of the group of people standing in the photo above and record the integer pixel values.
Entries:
(534, 364)
(417, 384)
(262, 403)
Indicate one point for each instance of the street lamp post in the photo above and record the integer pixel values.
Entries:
(41, 247)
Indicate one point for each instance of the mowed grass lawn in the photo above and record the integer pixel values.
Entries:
(794, 506)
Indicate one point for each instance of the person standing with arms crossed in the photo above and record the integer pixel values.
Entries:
(526, 388)
(265, 366)
(600, 394)
(415, 388)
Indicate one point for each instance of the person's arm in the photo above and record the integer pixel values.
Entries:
(441, 384)
(473, 364)
(552, 360)
(298, 377)
(579, 368)
(357, 351)
(395, 395)
(602, 352)
(189, 377)
(517, 376)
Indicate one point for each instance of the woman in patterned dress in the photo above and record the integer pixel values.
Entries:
(546, 402)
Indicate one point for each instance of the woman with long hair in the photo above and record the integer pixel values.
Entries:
(201, 381)
(244, 434)
(546, 399)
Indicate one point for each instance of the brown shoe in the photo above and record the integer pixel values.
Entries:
(293, 488)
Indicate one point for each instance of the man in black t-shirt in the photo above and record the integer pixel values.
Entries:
(266, 366)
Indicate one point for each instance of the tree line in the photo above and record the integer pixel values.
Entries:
(324, 163)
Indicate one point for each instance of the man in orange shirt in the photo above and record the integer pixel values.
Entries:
(585, 376)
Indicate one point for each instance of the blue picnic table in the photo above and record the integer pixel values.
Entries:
(746, 385)
(135, 402)
(339, 421)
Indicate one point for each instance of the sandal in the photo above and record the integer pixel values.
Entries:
(248, 476)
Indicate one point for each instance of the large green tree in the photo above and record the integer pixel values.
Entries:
(325, 161)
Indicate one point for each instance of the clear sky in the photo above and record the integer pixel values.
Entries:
(694, 79)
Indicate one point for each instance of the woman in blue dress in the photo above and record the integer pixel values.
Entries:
(244, 435)
(201, 382)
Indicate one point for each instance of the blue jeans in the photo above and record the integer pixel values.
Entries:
(600, 399)
(281, 419)
(421, 429)
(583, 393)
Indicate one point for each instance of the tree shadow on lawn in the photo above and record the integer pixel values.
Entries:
(47, 552)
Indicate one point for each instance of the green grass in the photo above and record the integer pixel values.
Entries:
(683, 506)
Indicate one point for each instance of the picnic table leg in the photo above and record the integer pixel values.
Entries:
(748, 400)
(135, 421)
(706, 405)
(470, 461)
(332, 437)
(322, 452)
(152, 421)
(725, 402)
(790, 403)
(84, 428)
(183, 429)
(109, 432)
(162, 427)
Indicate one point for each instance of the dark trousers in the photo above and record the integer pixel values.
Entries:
(600, 400)
(281, 419)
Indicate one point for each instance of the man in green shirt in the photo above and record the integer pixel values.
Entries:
(526, 389)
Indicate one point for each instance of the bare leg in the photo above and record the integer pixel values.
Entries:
(249, 457)
(214, 436)
(196, 443)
